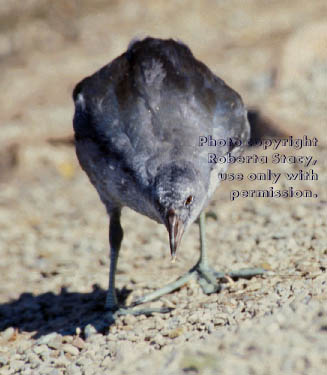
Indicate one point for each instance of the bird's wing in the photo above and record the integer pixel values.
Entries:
(151, 105)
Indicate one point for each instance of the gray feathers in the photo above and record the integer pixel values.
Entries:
(138, 120)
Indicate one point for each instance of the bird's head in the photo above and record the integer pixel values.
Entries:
(179, 197)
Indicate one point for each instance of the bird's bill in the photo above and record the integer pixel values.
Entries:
(175, 229)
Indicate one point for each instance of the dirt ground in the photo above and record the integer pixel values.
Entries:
(53, 228)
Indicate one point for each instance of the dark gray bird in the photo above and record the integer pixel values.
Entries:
(137, 126)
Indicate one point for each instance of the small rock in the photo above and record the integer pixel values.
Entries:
(40, 349)
(159, 339)
(16, 364)
(291, 244)
(68, 339)
(55, 342)
(175, 332)
(159, 323)
(112, 337)
(256, 285)
(3, 360)
(107, 362)
(45, 369)
(78, 342)
(62, 361)
(129, 320)
(55, 354)
(149, 335)
(8, 334)
(6, 371)
(131, 336)
(68, 348)
(23, 346)
(194, 318)
(45, 339)
(149, 324)
(33, 358)
(89, 331)
(72, 369)
(84, 362)
(220, 319)
(97, 339)
(122, 336)
(210, 327)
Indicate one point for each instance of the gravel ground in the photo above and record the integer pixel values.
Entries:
(53, 229)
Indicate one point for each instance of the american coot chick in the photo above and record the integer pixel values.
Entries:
(137, 126)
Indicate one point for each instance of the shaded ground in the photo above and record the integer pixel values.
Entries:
(53, 228)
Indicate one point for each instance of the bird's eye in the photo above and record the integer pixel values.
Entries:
(188, 200)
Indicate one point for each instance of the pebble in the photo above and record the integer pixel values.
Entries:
(112, 337)
(3, 360)
(72, 369)
(23, 346)
(220, 319)
(8, 334)
(55, 353)
(67, 339)
(175, 332)
(106, 362)
(68, 348)
(159, 339)
(122, 336)
(16, 364)
(45, 339)
(89, 331)
(84, 362)
(131, 336)
(45, 369)
(194, 318)
(159, 323)
(40, 349)
(98, 339)
(129, 320)
(62, 361)
(55, 342)
(78, 342)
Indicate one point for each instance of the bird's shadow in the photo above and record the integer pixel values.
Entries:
(62, 313)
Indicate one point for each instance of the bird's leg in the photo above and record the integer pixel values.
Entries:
(205, 276)
(202, 265)
(115, 239)
(112, 305)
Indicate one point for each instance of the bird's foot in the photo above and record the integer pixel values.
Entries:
(114, 309)
(131, 310)
(209, 280)
(171, 287)
(103, 322)
(206, 277)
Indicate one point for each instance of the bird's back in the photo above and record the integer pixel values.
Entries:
(148, 107)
